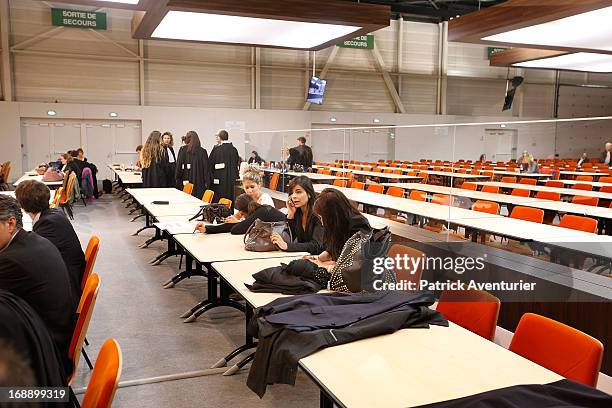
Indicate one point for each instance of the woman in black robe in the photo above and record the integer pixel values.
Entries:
(153, 162)
(192, 165)
(169, 158)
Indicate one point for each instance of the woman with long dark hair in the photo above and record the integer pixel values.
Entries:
(192, 165)
(152, 160)
(305, 225)
(341, 221)
(167, 142)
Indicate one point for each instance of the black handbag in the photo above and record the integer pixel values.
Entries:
(213, 213)
(354, 269)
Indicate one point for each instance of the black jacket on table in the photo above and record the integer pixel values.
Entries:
(309, 240)
(21, 327)
(265, 213)
(32, 268)
(562, 393)
(292, 328)
(57, 228)
(194, 168)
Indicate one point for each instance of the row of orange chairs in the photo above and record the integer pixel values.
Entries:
(549, 343)
(209, 194)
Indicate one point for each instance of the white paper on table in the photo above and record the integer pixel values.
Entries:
(176, 226)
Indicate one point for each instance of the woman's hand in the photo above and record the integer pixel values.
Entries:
(200, 227)
(290, 209)
(231, 220)
(279, 241)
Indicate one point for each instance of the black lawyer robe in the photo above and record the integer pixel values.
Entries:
(154, 176)
(224, 166)
(23, 329)
(170, 166)
(194, 168)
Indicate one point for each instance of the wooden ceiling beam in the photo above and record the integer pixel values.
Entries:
(508, 57)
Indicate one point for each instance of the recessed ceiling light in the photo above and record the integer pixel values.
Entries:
(503, 125)
(590, 30)
(51, 112)
(580, 61)
(113, 114)
(183, 25)
(333, 119)
(121, 1)
(376, 120)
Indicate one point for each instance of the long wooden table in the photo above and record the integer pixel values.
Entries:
(548, 205)
(32, 175)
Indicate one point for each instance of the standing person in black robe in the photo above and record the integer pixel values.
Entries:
(192, 165)
(169, 158)
(152, 160)
(224, 166)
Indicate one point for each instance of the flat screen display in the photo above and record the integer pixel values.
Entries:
(316, 90)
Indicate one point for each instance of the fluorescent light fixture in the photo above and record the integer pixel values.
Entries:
(376, 120)
(121, 1)
(580, 61)
(113, 114)
(590, 30)
(51, 112)
(333, 119)
(503, 125)
(183, 25)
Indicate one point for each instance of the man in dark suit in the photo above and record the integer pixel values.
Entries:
(50, 223)
(33, 269)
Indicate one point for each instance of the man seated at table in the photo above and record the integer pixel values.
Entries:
(33, 269)
(51, 223)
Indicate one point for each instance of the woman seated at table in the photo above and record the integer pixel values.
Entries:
(305, 225)
(252, 181)
(248, 211)
(341, 221)
(68, 164)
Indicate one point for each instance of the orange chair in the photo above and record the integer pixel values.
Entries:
(474, 310)
(584, 178)
(520, 192)
(489, 174)
(405, 252)
(528, 214)
(340, 183)
(490, 189)
(103, 383)
(579, 223)
(558, 347)
(91, 253)
(554, 183)
(530, 181)
(275, 177)
(417, 195)
(225, 201)
(508, 179)
(6, 171)
(424, 176)
(320, 171)
(584, 200)
(442, 199)
(357, 185)
(208, 196)
(582, 186)
(85, 308)
(188, 188)
(486, 207)
(548, 195)
(605, 189)
(469, 186)
(376, 188)
(605, 179)
(395, 191)
(57, 197)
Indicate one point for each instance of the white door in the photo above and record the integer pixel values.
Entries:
(330, 145)
(100, 146)
(371, 144)
(127, 137)
(500, 145)
(66, 136)
(35, 144)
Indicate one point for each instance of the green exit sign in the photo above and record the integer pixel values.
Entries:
(363, 41)
(493, 50)
(78, 18)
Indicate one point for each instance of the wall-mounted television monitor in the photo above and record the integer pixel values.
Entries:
(316, 90)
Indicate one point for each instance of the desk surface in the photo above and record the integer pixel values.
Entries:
(414, 367)
(557, 206)
(147, 195)
(206, 248)
(597, 184)
(35, 176)
(562, 191)
(312, 176)
(582, 173)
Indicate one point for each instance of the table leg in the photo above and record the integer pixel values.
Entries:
(213, 300)
(325, 401)
(187, 273)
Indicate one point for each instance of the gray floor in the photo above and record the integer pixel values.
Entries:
(133, 308)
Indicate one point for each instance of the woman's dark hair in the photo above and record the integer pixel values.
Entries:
(245, 203)
(192, 140)
(67, 157)
(336, 212)
(307, 186)
(33, 196)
